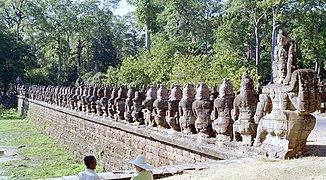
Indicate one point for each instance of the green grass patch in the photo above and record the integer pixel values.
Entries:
(40, 156)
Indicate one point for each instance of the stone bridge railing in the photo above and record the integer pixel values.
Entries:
(275, 123)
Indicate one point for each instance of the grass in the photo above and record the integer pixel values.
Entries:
(40, 156)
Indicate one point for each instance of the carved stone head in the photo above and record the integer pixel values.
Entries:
(226, 88)
(176, 93)
(188, 92)
(247, 83)
(162, 92)
(202, 91)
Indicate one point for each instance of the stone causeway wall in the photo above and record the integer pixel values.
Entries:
(113, 143)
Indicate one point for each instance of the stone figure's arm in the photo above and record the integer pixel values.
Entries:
(214, 114)
(180, 111)
(194, 109)
(235, 113)
(293, 84)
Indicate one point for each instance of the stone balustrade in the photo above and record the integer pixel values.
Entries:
(277, 122)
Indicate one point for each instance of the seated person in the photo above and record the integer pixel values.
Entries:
(142, 169)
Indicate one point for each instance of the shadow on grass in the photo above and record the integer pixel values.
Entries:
(10, 114)
(316, 150)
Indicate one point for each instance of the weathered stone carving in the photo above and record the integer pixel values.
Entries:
(100, 95)
(92, 100)
(119, 103)
(111, 106)
(283, 132)
(264, 106)
(244, 127)
(89, 100)
(72, 98)
(213, 93)
(137, 114)
(187, 118)
(151, 95)
(202, 108)
(161, 106)
(172, 115)
(56, 95)
(129, 104)
(221, 114)
(84, 99)
(105, 101)
(80, 97)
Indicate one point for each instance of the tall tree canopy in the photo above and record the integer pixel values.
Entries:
(221, 38)
(15, 58)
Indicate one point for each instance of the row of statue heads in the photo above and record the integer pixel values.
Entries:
(191, 110)
(277, 120)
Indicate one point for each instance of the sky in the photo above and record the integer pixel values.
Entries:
(123, 9)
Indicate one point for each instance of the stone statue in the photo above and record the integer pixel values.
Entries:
(93, 99)
(283, 131)
(221, 114)
(65, 101)
(89, 100)
(244, 127)
(119, 103)
(151, 95)
(84, 99)
(129, 104)
(281, 57)
(214, 93)
(172, 115)
(202, 108)
(79, 94)
(104, 101)
(100, 95)
(187, 118)
(264, 106)
(73, 98)
(76, 97)
(137, 114)
(161, 106)
(111, 106)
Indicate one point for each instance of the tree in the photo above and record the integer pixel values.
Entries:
(14, 13)
(15, 58)
(146, 13)
(309, 30)
(257, 15)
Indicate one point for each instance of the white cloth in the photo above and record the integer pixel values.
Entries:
(88, 174)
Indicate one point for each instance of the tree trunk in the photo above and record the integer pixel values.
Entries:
(59, 60)
(88, 66)
(17, 31)
(134, 40)
(271, 80)
(257, 51)
(97, 69)
(53, 65)
(317, 64)
(258, 41)
(206, 34)
(79, 52)
(148, 41)
(68, 45)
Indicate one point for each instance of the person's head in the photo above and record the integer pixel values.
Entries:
(140, 163)
(90, 162)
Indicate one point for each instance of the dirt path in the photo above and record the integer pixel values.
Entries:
(310, 167)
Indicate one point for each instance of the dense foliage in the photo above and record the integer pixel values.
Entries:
(186, 41)
(15, 58)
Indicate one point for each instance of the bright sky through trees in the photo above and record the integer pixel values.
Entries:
(123, 8)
